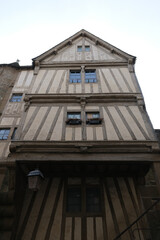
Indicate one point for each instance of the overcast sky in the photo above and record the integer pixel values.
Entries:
(29, 28)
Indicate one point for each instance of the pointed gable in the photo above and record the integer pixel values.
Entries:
(83, 46)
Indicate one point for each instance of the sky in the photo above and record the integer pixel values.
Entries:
(29, 28)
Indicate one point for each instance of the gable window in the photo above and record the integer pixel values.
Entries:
(74, 118)
(16, 97)
(93, 203)
(4, 133)
(75, 76)
(87, 48)
(79, 48)
(90, 76)
(93, 118)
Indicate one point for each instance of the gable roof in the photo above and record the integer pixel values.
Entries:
(95, 39)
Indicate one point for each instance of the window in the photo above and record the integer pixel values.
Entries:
(90, 76)
(16, 97)
(93, 118)
(93, 200)
(75, 76)
(74, 118)
(87, 48)
(79, 48)
(4, 133)
(73, 199)
(86, 199)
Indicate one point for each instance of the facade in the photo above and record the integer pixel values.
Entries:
(78, 116)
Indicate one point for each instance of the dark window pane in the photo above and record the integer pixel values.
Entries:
(75, 76)
(93, 204)
(74, 200)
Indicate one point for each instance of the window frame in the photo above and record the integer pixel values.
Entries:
(14, 97)
(87, 48)
(7, 135)
(90, 78)
(93, 120)
(83, 200)
(72, 74)
(73, 120)
(79, 48)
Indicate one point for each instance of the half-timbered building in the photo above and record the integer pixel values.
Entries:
(76, 119)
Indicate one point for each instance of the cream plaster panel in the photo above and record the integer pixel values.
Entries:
(7, 150)
(103, 84)
(78, 134)
(44, 221)
(7, 121)
(70, 108)
(77, 230)
(90, 228)
(111, 133)
(3, 144)
(46, 81)
(21, 78)
(38, 80)
(132, 186)
(117, 205)
(56, 81)
(29, 115)
(120, 80)
(29, 79)
(47, 124)
(138, 116)
(99, 133)
(131, 123)
(95, 88)
(120, 125)
(63, 86)
(57, 132)
(35, 124)
(18, 121)
(78, 88)
(128, 77)
(95, 52)
(127, 198)
(29, 227)
(109, 218)
(111, 80)
(13, 108)
(89, 131)
(57, 224)
(68, 136)
(88, 56)
(99, 228)
(87, 88)
(68, 228)
(18, 89)
(92, 108)
(70, 88)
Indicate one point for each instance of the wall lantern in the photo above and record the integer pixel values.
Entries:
(35, 179)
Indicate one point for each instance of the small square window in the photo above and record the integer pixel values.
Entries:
(16, 97)
(4, 133)
(87, 48)
(93, 118)
(75, 76)
(79, 48)
(90, 76)
(74, 118)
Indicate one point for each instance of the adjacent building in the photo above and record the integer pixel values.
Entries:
(76, 119)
